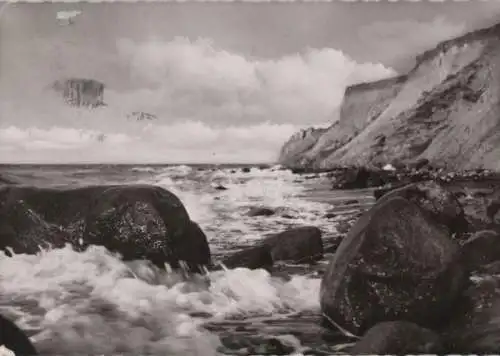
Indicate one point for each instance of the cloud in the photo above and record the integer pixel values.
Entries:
(186, 142)
(407, 37)
(212, 105)
(195, 79)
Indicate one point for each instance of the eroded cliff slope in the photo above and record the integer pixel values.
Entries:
(446, 109)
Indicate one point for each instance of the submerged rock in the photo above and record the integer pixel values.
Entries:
(396, 263)
(260, 211)
(397, 338)
(220, 187)
(13, 338)
(300, 245)
(137, 221)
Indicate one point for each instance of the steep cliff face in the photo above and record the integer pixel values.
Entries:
(446, 110)
(292, 152)
(81, 92)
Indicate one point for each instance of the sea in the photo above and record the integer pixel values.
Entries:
(94, 303)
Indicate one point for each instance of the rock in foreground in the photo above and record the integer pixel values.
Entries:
(396, 263)
(15, 339)
(397, 338)
(137, 221)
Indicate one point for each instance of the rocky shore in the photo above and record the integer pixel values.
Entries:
(415, 273)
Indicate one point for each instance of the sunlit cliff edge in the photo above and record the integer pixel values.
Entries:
(446, 109)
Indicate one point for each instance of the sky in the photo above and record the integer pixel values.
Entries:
(229, 82)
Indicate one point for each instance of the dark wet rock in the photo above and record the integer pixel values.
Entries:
(260, 211)
(287, 216)
(13, 338)
(438, 202)
(481, 249)
(476, 325)
(300, 245)
(254, 257)
(397, 338)
(195, 247)
(220, 187)
(361, 177)
(351, 202)
(257, 346)
(246, 170)
(137, 221)
(396, 263)
(330, 215)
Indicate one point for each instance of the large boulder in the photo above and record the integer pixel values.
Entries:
(137, 221)
(300, 245)
(15, 339)
(396, 263)
(440, 204)
(397, 338)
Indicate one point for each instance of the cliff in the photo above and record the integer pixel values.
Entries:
(81, 92)
(446, 109)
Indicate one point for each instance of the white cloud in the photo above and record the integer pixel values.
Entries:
(211, 104)
(196, 79)
(180, 142)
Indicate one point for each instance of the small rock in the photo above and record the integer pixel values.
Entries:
(300, 245)
(254, 257)
(220, 187)
(246, 170)
(260, 211)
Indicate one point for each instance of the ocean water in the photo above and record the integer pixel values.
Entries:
(94, 303)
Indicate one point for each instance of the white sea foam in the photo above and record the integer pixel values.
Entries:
(223, 213)
(87, 302)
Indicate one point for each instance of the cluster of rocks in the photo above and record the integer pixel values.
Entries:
(140, 222)
(402, 280)
(364, 177)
